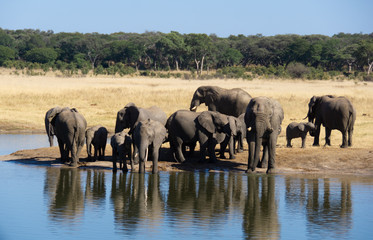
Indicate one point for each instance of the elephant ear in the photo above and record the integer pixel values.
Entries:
(206, 121)
(132, 114)
(53, 114)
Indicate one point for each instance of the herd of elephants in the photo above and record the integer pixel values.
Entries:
(232, 116)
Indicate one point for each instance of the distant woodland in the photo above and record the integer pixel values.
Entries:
(188, 55)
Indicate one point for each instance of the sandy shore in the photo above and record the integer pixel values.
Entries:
(321, 160)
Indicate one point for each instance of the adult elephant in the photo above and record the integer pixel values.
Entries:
(48, 127)
(227, 101)
(148, 134)
(128, 116)
(69, 127)
(263, 120)
(333, 113)
(209, 128)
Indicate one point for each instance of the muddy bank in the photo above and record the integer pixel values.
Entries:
(328, 160)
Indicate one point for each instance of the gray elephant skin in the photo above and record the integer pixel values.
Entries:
(48, 127)
(227, 101)
(263, 119)
(299, 130)
(130, 115)
(148, 137)
(333, 113)
(208, 128)
(69, 127)
(121, 146)
(97, 137)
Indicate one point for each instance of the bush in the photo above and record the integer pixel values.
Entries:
(297, 70)
(41, 55)
(6, 54)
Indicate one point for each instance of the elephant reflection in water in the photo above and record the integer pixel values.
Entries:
(95, 190)
(207, 195)
(133, 199)
(65, 192)
(260, 217)
(324, 207)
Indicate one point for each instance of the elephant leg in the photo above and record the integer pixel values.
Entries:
(350, 132)
(114, 161)
(74, 155)
(211, 150)
(240, 144)
(271, 154)
(250, 160)
(344, 140)
(61, 146)
(103, 151)
(304, 141)
(264, 161)
(231, 148)
(96, 153)
(223, 146)
(316, 140)
(178, 153)
(202, 155)
(123, 164)
(327, 136)
(155, 159)
(288, 143)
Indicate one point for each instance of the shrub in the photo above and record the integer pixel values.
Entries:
(41, 55)
(297, 70)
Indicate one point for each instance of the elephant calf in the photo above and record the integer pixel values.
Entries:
(121, 145)
(148, 134)
(299, 130)
(96, 136)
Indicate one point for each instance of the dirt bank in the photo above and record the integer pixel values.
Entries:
(324, 160)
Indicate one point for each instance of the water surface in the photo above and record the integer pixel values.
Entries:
(65, 203)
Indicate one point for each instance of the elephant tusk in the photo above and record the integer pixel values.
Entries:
(193, 108)
(249, 129)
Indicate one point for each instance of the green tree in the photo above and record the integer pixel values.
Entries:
(6, 53)
(200, 45)
(41, 55)
(364, 54)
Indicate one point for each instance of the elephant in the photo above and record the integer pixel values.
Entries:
(208, 127)
(96, 136)
(333, 113)
(69, 127)
(299, 130)
(121, 144)
(227, 101)
(148, 134)
(128, 116)
(263, 119)
(48, 127)
(238, 136)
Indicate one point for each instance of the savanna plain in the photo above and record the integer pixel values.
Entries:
(24, 101)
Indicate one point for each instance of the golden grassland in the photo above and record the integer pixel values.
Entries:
(25, 99)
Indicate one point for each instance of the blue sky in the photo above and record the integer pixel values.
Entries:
(223, 18)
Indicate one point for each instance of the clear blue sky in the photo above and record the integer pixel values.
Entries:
(220, 17)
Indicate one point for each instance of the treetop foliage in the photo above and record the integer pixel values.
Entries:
(195, 52)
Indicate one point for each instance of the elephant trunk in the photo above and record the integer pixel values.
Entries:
(194, 104)
(118, 126)
(50, 134)
(89, 146)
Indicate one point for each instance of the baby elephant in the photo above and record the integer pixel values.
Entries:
(148, 137)
(296, 130)
(121, 145)
(96, 136)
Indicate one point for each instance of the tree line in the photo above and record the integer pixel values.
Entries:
(314, 56)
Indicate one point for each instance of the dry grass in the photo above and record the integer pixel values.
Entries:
(24, 99)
